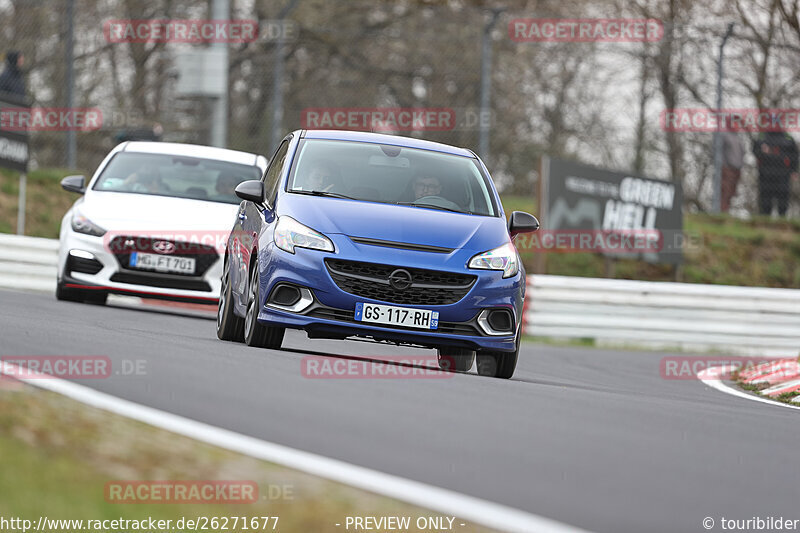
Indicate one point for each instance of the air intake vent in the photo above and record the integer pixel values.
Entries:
(402, 245)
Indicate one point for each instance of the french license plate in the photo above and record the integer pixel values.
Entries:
(162, 263)
(397, 316)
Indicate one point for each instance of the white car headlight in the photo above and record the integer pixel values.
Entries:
(81, 224)
(290, 234)
(503, 258)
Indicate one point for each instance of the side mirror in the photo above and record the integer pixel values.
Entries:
(74, 184)
(251, 190)
(522, 222)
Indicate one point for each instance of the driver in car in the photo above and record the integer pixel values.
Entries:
(320, 178)
(426, 186)
(146, 180)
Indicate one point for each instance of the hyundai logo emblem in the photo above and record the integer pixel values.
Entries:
(163, 247)
(400, 279)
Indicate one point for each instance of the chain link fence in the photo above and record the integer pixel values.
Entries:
(596, 102)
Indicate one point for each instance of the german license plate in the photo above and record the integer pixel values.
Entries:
(162, 263)
(397, 316)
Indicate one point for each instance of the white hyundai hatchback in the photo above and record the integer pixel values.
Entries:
(152, 222)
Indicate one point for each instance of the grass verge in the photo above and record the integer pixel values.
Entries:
(57, 455)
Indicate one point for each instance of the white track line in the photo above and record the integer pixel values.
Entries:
(710, 376)
(441, 500)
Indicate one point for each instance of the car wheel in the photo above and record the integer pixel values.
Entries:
(498, 364)
(458, 359)
(229, 326)
(256, 334)
(65, 294)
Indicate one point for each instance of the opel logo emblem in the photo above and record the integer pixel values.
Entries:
(400, 279)
(163, 247)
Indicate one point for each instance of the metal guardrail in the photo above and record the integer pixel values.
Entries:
(28, 263)
(741, 320)
(686, 316)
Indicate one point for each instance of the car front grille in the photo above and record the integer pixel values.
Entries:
(123, 246)
(163, 281)
(371, 280)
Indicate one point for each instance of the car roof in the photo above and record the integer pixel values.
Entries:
(381, 138)
(194, 150)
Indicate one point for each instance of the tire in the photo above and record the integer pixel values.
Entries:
(498, 364)
(256, 334)
(65, 294)
(229, 326)
(455, 359)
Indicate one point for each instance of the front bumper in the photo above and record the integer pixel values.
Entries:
(113, 277)
(332, 312)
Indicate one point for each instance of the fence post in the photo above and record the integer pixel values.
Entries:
(717, 192)
(23, 183)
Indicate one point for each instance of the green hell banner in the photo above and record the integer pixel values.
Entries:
(619, 214)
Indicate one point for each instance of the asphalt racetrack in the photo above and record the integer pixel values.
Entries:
(592, 438)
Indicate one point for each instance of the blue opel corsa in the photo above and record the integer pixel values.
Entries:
(395, 239)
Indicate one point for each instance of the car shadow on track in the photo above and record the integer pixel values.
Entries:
(384, 359)
(403, 361)
(204, 312)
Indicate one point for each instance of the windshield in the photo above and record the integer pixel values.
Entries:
(177, 176)
(392, 174)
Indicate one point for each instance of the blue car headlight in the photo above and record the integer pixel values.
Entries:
(81, 224)
(503, 258)
(290, 234)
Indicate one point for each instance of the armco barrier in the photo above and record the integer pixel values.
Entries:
(28, 263)
(742, 320)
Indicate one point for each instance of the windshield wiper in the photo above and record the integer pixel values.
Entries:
(324, 193)
(434, 206)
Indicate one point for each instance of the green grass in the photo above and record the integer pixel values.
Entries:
(754, 387)
(45, 204)
(788, 397)
(583, 342)
(57, 455)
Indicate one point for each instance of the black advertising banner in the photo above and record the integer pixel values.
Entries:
(14, 153)
(618, 213)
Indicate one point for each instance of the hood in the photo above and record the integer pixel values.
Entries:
(122, 212)
(406, 224)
